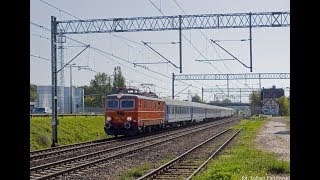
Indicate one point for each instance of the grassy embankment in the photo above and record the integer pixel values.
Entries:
(70, 130)
(244, 159)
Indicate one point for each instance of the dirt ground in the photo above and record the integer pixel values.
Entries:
(275, 137)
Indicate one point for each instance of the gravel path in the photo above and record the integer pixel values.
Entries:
(275, 137)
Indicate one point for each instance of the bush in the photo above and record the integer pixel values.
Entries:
(43, 140)
(278, 167)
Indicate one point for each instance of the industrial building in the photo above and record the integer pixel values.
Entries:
(64, 99)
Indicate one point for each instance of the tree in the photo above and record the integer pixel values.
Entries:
(99, 87)
(196, 98)
(118, 79)
(284, 106)
(33, 92)
(226, 101)
(255, 99)
(102, 85)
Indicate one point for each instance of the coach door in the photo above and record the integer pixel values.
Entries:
(166, 112)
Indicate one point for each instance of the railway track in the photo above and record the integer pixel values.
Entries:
(67, 148)
(75, 148)
(181, 167)
(58, 168)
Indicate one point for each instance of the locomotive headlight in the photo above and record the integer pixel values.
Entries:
(129, 118)
(108, 118)
(119, 95)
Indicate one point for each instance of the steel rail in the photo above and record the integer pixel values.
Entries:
(213, 155)
(166, 166)
(63, 170)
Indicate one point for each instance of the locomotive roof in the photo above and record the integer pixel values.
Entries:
(137, 96)
(193, 104)
(174, 101)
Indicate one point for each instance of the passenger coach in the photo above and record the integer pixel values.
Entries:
(130, 114)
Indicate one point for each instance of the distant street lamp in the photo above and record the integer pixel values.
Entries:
(79, 68)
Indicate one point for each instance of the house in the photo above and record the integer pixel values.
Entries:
(270, 107)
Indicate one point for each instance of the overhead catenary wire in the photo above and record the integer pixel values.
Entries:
(213, 46)
(104, 54)
(80, 19)
(189, 42)
(186, 39)
(211, 43)
(47, 59)
(192, 46)
(104, 51)
(100, 52)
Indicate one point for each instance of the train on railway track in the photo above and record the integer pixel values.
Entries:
(133, 113)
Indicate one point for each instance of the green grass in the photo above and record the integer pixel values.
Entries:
(244, 159)
(70, 130)
(135, 172)
(166, 159)
(139, 171)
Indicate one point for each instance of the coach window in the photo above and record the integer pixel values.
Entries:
(140, 102)
(145, 104)
(158, 105)
(150, 104)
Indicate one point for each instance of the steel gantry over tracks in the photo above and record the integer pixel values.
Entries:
(159, 23)
(228, 77)
(184, 22)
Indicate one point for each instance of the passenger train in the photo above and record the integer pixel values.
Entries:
(131, 114)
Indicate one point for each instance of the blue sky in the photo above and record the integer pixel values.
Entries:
(271, 46)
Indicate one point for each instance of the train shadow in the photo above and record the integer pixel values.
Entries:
(282, 132)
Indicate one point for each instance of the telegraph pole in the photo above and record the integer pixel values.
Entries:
(202, 94)
(250, 31)
(172, 85)
(71, 89)
(180, 44)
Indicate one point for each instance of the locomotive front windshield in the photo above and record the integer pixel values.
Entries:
(127, 104)
(112, 104)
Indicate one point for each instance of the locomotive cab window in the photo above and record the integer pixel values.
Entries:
(127, 104)
(112, 104)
